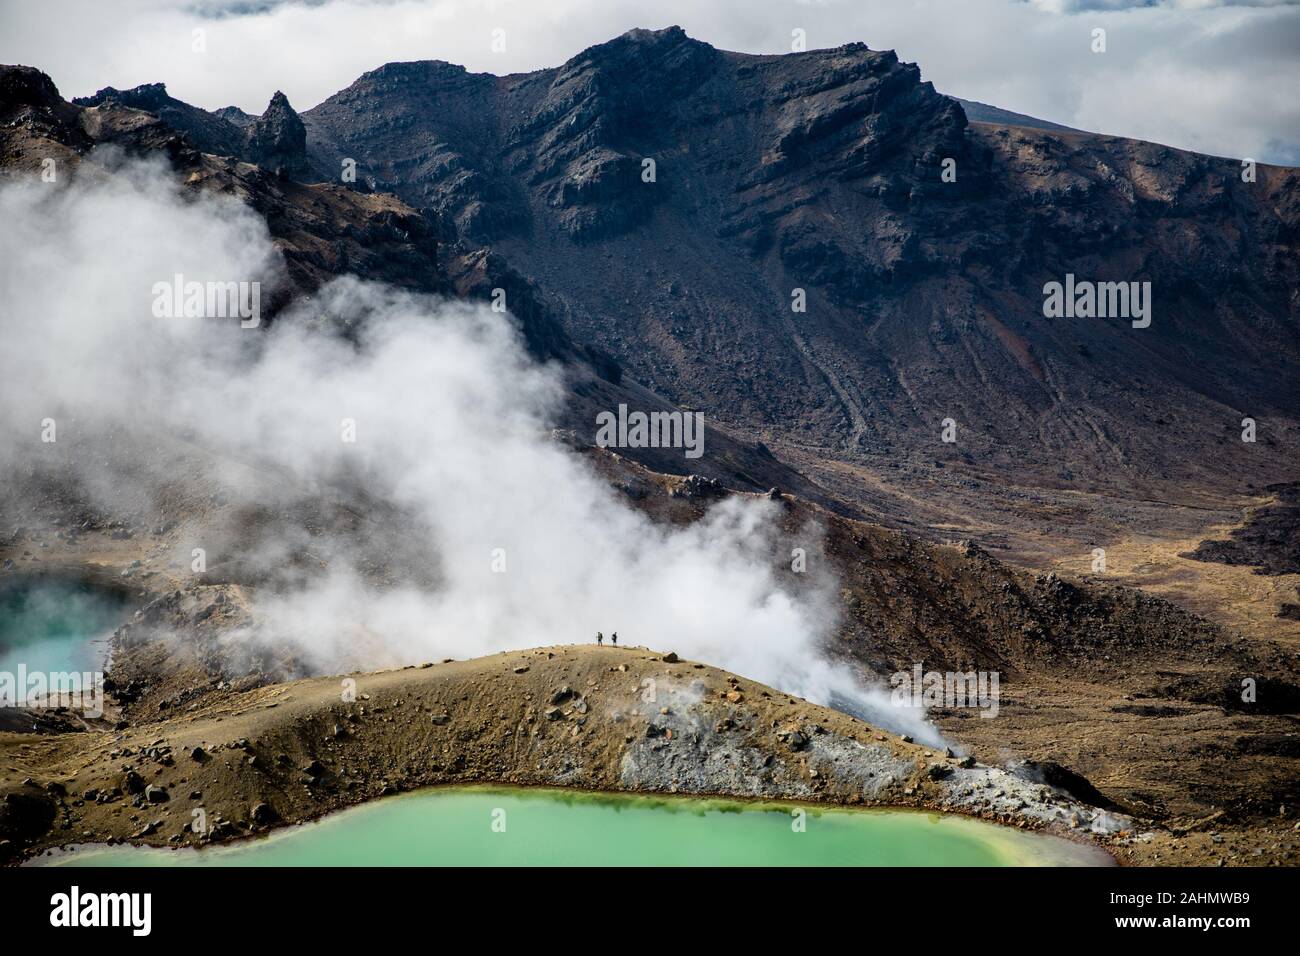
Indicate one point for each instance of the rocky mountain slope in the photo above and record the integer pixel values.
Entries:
(823, 172)
(325, 229)
(820, 176)
(978, 112)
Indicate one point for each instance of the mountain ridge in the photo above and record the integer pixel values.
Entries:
(822, 171)
(821, 174)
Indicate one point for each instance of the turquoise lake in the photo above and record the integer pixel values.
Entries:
(56, 624)
(486, 826)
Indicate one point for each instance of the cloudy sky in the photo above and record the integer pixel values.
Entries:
(1218, 76)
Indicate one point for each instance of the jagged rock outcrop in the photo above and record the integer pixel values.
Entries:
(430, 128)
(233, 114)
(277, 140)
(30, 106)
(23, 86)
(322, 230)
(208, 132)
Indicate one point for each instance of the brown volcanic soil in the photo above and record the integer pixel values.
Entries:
(1141, 698)
(1269, 539)
(1138, 696)
(572, 716)
(1200, 549)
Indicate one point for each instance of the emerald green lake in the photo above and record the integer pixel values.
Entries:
(486, 826)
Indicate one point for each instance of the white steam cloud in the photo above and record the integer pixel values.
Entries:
(452, 458)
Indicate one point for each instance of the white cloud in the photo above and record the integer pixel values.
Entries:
(1213, 76)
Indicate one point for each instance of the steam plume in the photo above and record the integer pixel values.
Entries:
(452, 472)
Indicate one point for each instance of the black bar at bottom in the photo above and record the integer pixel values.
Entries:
(299, 905)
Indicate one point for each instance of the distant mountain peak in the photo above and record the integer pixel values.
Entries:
(233, 114)
(643, 35)
(277, 140)
(667, 47)
(136, 96)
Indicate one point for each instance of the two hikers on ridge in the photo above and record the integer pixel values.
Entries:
(613, 638)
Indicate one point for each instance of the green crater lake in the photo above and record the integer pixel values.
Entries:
(487, 826)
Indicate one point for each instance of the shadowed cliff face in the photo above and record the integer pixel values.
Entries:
(277, 139)
(823, 172)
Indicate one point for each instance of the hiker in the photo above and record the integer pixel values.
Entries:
(613, 638)
(599, 637)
